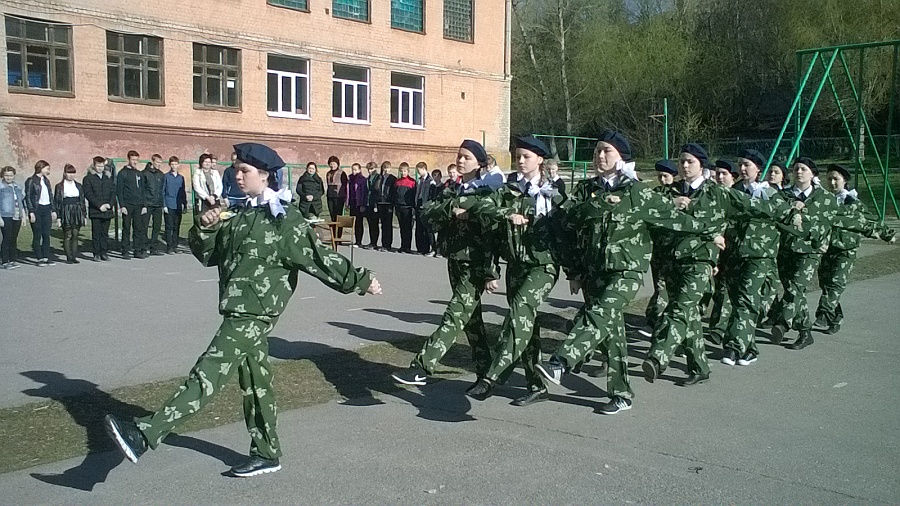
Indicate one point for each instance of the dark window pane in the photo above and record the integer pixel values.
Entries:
(458, 19)
(395, 106)
(272, 92)
(232, 93)
(35, 31)
(13, 27)
(214, 55)
(63, 83)
(348, 100)
(198, 52)
(154, 86)
(232, 56)
(292, 4)
(198, 89)
(404, 107)
(61, 34)
(134, 62)
(285, 64)
(337, 100)
(133, 83)
(213, 90)
(112, 41)
(13, 65)
(286, 94)
(351, 9)
(300, 94)
(351, 73)
(132, 43)
(153, 64)
(38, 66)
(112, 80)
(61, 53)
(407, 15)
(406, 81)
(417, 109)
(153, 46)
(362, 102)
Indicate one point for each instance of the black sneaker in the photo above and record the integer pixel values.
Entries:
(730, 357)
(415, 375)
(778, 331)
(255, 466)
(552, 370)
(127, 437)
(532, 398)
(694, 379)
(747, 359)
(126, 256)
(482, 390)
(651, 369)
(615, 405)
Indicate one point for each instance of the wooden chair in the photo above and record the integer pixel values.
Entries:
(343, 222)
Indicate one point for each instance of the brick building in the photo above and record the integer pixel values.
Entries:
(362, 79)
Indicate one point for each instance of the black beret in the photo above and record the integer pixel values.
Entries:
(805, 160)
(477, 150)
(755, 157)
(618, 141)
(534, 145)
(667, 166)
(696, 150)
(844, 171)
(259, 155)
(729, 166)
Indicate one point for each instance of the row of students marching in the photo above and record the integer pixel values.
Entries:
(603, 236)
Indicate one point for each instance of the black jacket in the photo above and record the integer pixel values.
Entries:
(425, 191)
(33, 193)
(59, 195)
(405, 192)
(130, 187)
(153, 187)
(384, 190)
(99, 191)
(310, 184)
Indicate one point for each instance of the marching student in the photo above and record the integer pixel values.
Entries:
(666, 170)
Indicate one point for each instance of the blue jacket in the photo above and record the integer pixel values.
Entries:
(230, 188)
(11, 197)
(174, 195)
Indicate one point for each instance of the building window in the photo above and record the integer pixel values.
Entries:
(288, 87)
(217, 76)
(351, 9)
(300, 5)
(350, 94)
(38, 55)
(407, 100)
(408, 15)
(458, 24)
(134, 67)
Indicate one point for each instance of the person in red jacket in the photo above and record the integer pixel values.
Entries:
(405, 203)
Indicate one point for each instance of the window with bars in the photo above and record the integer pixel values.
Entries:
(217, 76)
(350, 94)
(300, 5)
(408, 15)
(134, 67)
(459, 20)
(407, 100)
(351, 9)
(38, 55)
(288, 87)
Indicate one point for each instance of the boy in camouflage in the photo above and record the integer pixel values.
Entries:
(258, 250)
(467, 245)
(666, 170)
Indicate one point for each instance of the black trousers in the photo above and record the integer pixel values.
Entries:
(70, 242)
(335, 209)
(372, 220)
(173, 229)
(405, 219)
(154, 219)
(100, 235)
(386, 219)
(310, 208)
(134, 228)
(41, 231)
(424, 237)
(10, 231)
(358, 225)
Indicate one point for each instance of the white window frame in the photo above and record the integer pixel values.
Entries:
(401, 90)
(355, 84)
(294, 77)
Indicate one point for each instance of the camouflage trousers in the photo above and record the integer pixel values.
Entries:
(721, 304)
(241, 344)
(527, 287)
(834, 271)
(680, 324)
(747, 279)
(602, 321)
(657, 303)
(769, 294)
(463, 314)
(796, 272)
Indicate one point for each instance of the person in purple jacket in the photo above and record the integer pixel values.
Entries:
(357, 200)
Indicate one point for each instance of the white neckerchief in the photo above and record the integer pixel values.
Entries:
(758, 190)
(843, 194)
(542, 195)
(626, 169)
(69, 188)
(270, 197)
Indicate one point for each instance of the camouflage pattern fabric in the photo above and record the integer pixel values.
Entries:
(680, 324)
(720, 314)
(747, 290)
(795, 272)
(834, 272)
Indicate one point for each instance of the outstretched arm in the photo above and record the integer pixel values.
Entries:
(304, 251)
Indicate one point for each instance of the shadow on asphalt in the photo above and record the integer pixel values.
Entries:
(87, 408)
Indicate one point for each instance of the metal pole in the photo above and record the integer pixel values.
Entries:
(666, 128)
(812, 104)
(859, 112)
(794, 107)
(800, 94)
(890, 125)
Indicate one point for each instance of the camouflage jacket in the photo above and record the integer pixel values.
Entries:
(531, 244)
(844, 240)
(821, 214)
(663, 242)
(607, 229)
(755, 237)
(468, 239)
(258, 257)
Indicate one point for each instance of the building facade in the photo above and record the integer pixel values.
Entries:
(366, 80)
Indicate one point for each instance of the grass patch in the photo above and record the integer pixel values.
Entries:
(65, 426)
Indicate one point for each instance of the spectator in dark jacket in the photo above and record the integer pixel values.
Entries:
(310, 189)
(153, 190)
(453, 177)
(425, 190)
(357, 200)
(231, 192)
(100, 193)
(373, 189)
(553, 175)
(386, 203)
(175, 204)
(41, 211)
(336, 194)
(132, 206)
(69, 203)
(405, 204)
